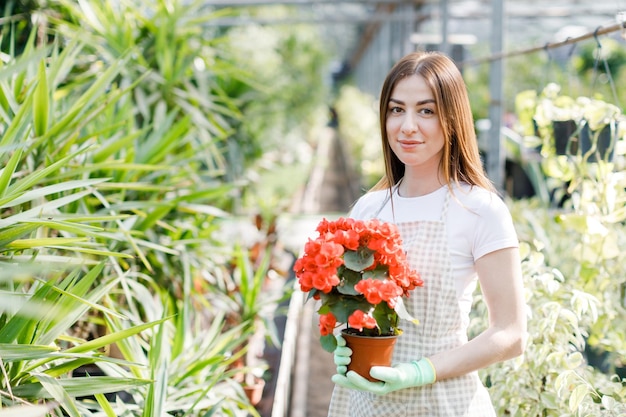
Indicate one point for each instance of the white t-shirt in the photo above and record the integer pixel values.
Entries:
(478, 222)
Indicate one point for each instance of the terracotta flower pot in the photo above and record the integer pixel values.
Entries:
(368, 351)
(254, 392)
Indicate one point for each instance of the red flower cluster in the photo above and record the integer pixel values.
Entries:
(359, 270)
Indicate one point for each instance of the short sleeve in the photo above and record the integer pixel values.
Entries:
(494, 228)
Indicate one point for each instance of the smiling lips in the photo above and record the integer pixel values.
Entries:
(409, 142)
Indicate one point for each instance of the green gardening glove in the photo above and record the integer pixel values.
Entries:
(341, 355)
(400, 376)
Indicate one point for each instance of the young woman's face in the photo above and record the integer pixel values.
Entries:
(413, 127)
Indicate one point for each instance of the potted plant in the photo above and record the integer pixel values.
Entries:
(358, 270)
(582, 126)
(253, 285)
(599, 129)
(556, 116)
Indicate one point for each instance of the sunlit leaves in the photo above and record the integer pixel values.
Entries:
(41, 102)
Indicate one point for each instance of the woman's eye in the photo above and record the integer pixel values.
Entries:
(395, 110)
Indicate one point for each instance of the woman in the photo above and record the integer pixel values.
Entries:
(456, 232)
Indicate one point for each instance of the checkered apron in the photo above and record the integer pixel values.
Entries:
(440, 329)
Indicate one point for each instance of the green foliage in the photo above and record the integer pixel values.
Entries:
(358, 260)
(387, 318)
(255, 303)
(272, 86)
(359, 130)
(328, 342)
(115, 138)
(592, 57)
(520, 73)
(574, 277)
(553, 377)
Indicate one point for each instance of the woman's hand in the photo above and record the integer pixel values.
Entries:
(400, 376)
(342, 355)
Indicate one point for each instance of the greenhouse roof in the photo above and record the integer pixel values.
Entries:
(527, 23)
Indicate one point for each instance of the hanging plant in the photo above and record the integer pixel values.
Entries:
(556, 116)
(582, 126)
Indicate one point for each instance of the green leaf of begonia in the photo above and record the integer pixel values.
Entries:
(324, 309)
(329, 343)
(350, 279)
(385, 317)
(378, 273)
(343, 307)
(358, 260)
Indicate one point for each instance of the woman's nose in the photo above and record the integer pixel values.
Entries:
(409, 124)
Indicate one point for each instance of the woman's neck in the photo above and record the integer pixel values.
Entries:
(417, 184)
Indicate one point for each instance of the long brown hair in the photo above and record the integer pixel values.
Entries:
(461, 160)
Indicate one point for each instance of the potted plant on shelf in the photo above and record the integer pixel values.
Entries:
(358, 271)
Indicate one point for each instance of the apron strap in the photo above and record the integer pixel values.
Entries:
(444, 211)
(387, 198)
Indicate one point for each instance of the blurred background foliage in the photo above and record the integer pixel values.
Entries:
(133, 135)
